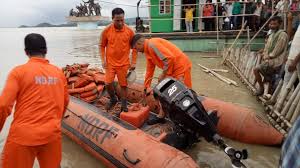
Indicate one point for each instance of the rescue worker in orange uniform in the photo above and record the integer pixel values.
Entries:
(115, 48)
(165, 55)
(40, 92)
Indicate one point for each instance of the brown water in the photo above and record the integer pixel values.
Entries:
(69, 45)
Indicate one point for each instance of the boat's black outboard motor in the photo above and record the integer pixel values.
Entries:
(190, 118)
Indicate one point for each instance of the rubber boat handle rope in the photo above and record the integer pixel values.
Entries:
(79, 116)
(134, 162)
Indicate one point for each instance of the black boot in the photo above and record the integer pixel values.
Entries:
(113, 100)
(124, 105)
(156, 120)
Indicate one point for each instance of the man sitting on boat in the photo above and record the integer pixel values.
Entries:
(115, 50)
(165, 55)
(273, 55)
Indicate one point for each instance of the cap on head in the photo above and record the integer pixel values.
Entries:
(35, 44)
(135, 38)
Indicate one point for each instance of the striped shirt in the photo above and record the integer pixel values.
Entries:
(276, 48)
(290, 154)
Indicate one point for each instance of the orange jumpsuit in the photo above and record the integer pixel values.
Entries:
(167, 56)
(115, 50)
(40, 92)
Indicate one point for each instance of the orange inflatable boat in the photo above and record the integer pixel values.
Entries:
(127, 141)
(117, 143)
(235, 122)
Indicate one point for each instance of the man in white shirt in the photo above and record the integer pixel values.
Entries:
(293, 62)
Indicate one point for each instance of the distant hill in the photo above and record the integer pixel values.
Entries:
(129, 21)
(50, 25)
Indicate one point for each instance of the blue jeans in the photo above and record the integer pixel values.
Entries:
(235, 20)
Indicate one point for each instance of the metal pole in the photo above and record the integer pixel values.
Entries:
(272, 7)
(244, 11)
(137, 8)
(217, 25)
(149, 8)
(285, 10)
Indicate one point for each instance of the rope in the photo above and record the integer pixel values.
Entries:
(79, 116)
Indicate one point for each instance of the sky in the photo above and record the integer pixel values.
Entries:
(14, 13)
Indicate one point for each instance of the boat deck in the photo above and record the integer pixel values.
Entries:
(156, 130)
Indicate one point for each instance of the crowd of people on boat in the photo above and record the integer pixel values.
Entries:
(39, 89)
(231, 13)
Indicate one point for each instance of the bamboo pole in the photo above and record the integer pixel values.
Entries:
(220, 70)
(235, 40)
(237, 56)
(224, 79)
(244, 61)
(276, 93)
(252, 77)
(254, 59)
(291, 104)
(285, 92)
(239, 59)
(248, 66)
(296, 114)
(272, 109)
(231, 52)
(241, 76)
